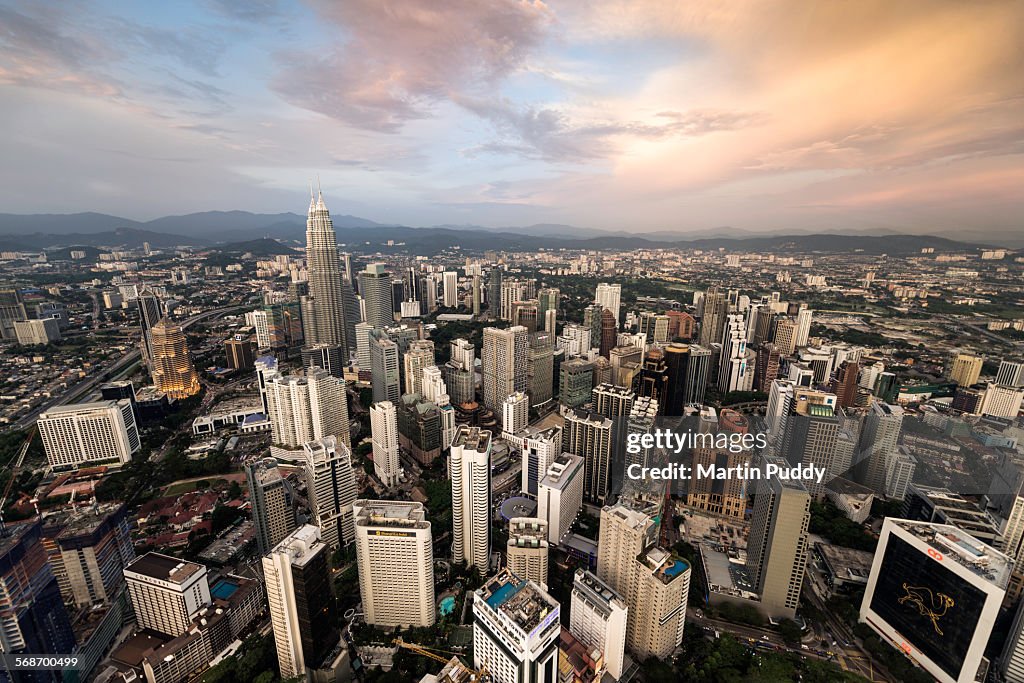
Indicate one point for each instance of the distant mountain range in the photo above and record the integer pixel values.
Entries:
(243, 231)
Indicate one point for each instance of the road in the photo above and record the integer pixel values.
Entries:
(985, 332)
(103, 375)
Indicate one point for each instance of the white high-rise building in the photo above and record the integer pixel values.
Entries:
(470, 472)
(575, 340)
(436, 391)
(326, 299)
(598, 617)
(463, 353)
(1010, 373)
(539, 448)
(526, 552)
(384, 431)
(733, 371)
(363, 340)
(331, 489)
(503, 362)
(384, 369)
(1001, 401)
(609, 295)
(515, 413)
(104, 431)
(515, 630)
(419, 355)
(451, 289)
(305, 407)
(298, 581)
(393, 539)
(560, 495)
(803, 326)
(166, 592)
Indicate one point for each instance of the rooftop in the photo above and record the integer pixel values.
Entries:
(390, 513)
(473, 438)
(164, 568)
(981, 559)
(521, 601)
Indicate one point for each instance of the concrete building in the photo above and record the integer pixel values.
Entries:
(575, 382)
(37, 332)
(384, 431)
(470, 472)
(598, 617)
(419, 355)
(503, 363)
(305, 407)
(609, 295)
(89, 433)
(515, 413)
(515, 630)
(330, 489)
(384, 369)
(526, 552)
(270, 496)
(560, 495)
(965, 369)
(298, 579)
(171, 363)
(393, 539)
(166, 592)
(589, 435)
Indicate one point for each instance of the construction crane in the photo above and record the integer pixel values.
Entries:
(454, 670)
(16, 470)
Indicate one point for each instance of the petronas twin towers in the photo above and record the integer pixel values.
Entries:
(327, 283)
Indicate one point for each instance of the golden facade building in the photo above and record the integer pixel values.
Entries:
(172, 369)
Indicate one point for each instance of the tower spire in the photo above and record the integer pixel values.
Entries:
(320, 195)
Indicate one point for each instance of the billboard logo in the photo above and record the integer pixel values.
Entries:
(933, 606)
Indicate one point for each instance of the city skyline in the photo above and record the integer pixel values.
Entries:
(639, 117)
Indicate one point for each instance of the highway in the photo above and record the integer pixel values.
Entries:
(100, 376)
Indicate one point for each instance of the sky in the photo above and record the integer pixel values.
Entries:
(631, 115)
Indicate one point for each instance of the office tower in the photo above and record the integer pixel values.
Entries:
(967, 400)
(419, 355)
(459, 373)
(727, 496)
(899, 474)
(612, 401)
(878, 443)
(592, 322)
(270, 497)
(598, 617)
(811, 437)
(589, 436)
(515, 413)
(934, 593)
(539, 449)
(777, 549)
(548, 300)
(575, 382)
(560, 495)
(375, 286)
(33, 619)
(574, 340)
(712, 318)
(526, 551)
(151, 311)
(470, 472)
(803, 326)
(732, 363)
(302, 612)
(323, 265)
(515, 630)
(330, 489)
(680, 325)
(364, 338)
(623, 535)
(37, 332)
(11, 310)
(384, 430)
(419, 429)
(539, 366)
(279, 328)
(503, 362)
(494, 292)
(171, 363)
(304, 407)
(239, 353)
(844, 384)
(625, 363)
(327, 356)
(524, 313)
(81, 433)
(384, 369)
(88, 549)
(1000, 401)
(436, 392)
(766, 368)
(654, 327)
(654, 377)
(166, 592)
(451, 289)
(965, 369)
(1010, 373)
(397, 295)
(698, 369)
(607, 333)
(677, 362)
(608, 296)
(785, 336)
(513, 291)
(393, 539)
(1011, 659)
(476, 296)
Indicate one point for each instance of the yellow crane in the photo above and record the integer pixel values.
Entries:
(455, 670)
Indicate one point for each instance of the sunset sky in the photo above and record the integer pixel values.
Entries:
(621, 115)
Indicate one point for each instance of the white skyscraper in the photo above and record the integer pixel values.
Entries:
(1001, 401)
(503, 361)
(384, 430)
(363, 341)
(515, 630)
(470, 471)
(89, 433)
(305, 407)
(393, 539)
(384, 369)
(526, 552)
(324, 268)
(598, 618)
(297, 574)
(560, 495)
(419, 355)
(803, 326)
(515, 413)
(733, 372)
(451, 289)
(609, 295)
(166, 592)
(331, 489)
(436, 391)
